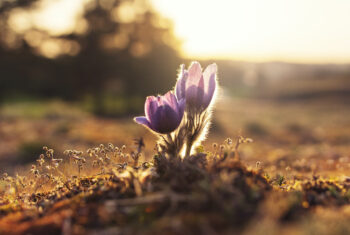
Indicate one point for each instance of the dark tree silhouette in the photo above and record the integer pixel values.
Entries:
(110, 59)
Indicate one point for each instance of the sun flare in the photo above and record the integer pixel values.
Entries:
(292, 30)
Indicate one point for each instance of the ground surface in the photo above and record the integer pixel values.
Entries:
(293, 179)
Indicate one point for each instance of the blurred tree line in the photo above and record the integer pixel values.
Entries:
(119, 52)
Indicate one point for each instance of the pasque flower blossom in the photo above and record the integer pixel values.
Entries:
(196, 87)
(163, 113)
(182, 121)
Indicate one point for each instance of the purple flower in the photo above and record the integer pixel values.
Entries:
(163, 113)
(196, 87)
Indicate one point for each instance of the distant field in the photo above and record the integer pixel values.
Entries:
(311, 137)
(285, 134)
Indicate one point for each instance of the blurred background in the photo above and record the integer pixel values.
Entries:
(73, 73)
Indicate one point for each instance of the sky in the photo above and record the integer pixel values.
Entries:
(315, 31)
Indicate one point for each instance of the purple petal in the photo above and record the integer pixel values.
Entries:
(182, 71)
(195, 91)
(200, 90)
(170, 99)
(151, 106)
(163, 113)
(142, 121)
(180, 87)
(208, 96)
(210, 83)
(194, 96)
(165, 120)
(201, 83)
(194, 74)
(156, 118)
(211, 69)
(182, 105)
(195, 85)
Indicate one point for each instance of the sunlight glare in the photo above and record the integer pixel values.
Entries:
(292, 30)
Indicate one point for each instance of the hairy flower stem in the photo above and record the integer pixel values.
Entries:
(188, 147)
(196, 127)
(171, 144)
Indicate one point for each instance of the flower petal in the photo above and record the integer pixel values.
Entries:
(151, 106)
(210, 84)
(182, 106)
(194, 74)
(195, 93)
(211, 69)
(142, 121)
(165, 120)
(170, 99)
(180, 87)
